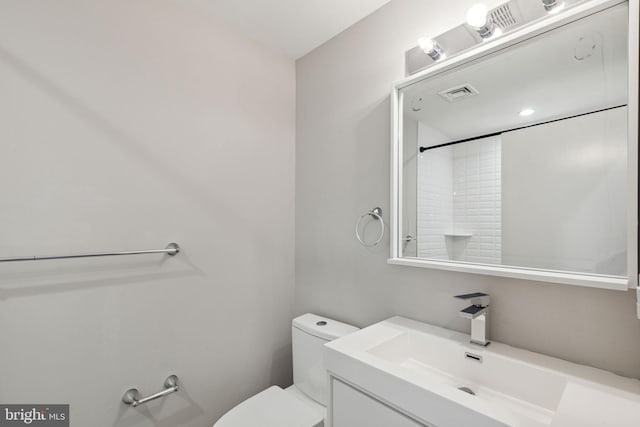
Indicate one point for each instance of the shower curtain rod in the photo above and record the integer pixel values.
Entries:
(171, 249)
(473, 138)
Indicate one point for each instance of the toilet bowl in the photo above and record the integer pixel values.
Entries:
(304, 403)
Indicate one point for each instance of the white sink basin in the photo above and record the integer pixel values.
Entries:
(420, 368)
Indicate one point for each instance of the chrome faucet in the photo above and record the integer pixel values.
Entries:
(477, 312)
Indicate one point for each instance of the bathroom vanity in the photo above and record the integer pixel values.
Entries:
(401, 372)
(514, 154)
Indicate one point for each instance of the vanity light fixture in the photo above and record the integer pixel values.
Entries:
(478, 18)
(527, 112)
(431, 48)
(553, 6)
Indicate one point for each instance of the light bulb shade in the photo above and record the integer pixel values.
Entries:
(478, 18)
(431, 48)
(477, 15)
(426, 44)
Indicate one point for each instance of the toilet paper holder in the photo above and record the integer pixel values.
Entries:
(132, 396)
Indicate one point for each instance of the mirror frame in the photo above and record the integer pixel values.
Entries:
(510, 39)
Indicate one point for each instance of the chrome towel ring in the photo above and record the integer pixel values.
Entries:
(376, 214)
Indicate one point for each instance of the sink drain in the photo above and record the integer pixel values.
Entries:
(467, 390)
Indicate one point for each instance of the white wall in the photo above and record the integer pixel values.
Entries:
(342, 170)
(126, 125)
(574, 206)
(410, 181)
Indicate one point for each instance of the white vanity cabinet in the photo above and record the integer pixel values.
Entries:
(349, 407)
(403, 373)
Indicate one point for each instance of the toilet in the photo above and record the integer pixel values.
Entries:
(304, 403)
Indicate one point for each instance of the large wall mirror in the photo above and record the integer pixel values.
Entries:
(516, 158)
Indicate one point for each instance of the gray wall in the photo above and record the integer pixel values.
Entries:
(126, 125)
(575, 206)
(342, 170)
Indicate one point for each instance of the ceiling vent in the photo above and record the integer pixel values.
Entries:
(458, 93)
(504, 17)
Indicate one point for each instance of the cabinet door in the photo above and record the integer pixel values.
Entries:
(352, 408)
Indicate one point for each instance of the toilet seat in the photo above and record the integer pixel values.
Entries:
(273, 407)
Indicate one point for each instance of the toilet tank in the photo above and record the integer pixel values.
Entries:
(309, 334)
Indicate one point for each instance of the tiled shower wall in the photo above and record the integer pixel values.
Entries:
(459, 202)
(435, 203)
(477, 201)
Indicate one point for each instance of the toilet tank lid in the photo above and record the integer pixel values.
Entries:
(322, 327)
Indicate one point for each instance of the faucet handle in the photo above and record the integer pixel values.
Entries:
(473, 311)
(478, 299)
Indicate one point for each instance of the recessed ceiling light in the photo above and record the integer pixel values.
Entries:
(527, 112)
